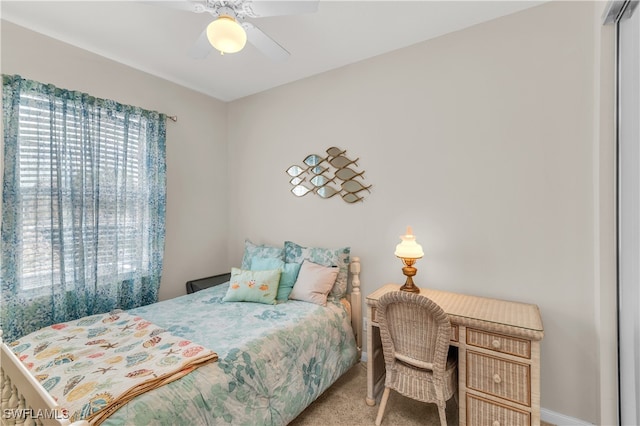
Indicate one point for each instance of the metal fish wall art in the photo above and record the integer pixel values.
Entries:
(329, 175)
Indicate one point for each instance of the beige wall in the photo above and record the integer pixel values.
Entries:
(493, 143)
(482, 140)
(196, 221)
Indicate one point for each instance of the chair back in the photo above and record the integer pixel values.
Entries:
(414, 330)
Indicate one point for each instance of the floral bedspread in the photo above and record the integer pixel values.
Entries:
(94, 365)
(273, 361)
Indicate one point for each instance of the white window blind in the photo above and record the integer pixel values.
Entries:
(82, 191)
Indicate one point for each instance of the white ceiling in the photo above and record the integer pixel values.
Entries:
(157, 39)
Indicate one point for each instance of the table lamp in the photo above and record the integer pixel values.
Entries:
(409, 251)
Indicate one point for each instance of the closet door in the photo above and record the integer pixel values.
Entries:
(629, 213)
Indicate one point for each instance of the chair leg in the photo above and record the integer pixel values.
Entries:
(383, 405)
(442, 412)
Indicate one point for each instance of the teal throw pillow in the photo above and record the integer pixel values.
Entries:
(252, 251)
(253, 286)
(287, 277)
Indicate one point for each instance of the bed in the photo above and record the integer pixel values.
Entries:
(273, 360)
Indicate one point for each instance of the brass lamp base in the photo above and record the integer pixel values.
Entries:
(409, 271)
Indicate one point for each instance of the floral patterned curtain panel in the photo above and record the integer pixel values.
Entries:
(83, 206)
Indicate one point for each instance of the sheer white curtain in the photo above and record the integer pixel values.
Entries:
(83, 206)
(628, 27)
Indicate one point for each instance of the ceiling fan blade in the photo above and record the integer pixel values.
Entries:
(187, 5)
(261, 8)
(201, 48)
(264, 43)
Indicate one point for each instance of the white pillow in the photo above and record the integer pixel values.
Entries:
(314, 283)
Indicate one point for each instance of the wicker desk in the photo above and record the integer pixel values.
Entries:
(498, 357)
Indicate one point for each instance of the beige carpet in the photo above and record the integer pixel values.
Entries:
(343, 405)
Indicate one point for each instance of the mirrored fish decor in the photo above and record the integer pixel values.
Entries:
(329, 175)
(321, 180)
(294, 171)
(354, 187)
(347, 174)
(351, 198)
(318, 170)
(326, 192)
(335, 152)
(300, 190)
(341, 162)
(296, 181)
(313, 160)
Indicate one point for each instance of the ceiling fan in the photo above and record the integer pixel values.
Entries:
(229, 31)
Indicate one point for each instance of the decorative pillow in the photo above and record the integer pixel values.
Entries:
(294, 253)
(252, 251)
(287, 277)
(314, 283)
(253, 286)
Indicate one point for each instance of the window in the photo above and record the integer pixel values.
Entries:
(83, 206)
(54, 162)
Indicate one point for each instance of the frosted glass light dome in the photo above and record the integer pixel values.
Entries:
(226, 35)
(409, 248)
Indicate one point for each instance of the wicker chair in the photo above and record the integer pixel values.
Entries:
(415, 335)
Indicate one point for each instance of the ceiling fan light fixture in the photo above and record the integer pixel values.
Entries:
(226, 35)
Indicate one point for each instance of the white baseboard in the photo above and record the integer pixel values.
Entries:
(561, 419)
(545, 415)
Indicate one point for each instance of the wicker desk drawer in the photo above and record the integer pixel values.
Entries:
(454, 332)
(500, 343)
(499, 377)
(481, 412)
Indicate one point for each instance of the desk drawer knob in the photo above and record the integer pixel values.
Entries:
(496, 423)
(497, 378)
(496, 344)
